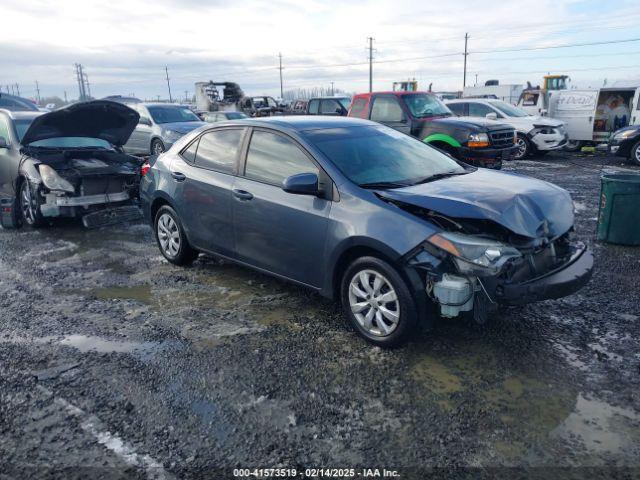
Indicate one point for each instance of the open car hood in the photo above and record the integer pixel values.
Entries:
(110, 121)
(526, 206)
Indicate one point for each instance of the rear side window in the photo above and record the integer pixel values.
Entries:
(189, 153)
(359, 108)
(479, 110)
(4, 130)
(386, 109)
(272, 158)
(457, 108)
(218, 150)
(313, 106)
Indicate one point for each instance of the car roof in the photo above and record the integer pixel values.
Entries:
(21, 114)
(476, 100)
(391, 92)
(160, 104)
(305, 122)
(329, 98)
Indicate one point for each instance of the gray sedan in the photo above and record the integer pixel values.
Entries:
(160, 126)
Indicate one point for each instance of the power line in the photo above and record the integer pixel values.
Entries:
(567, 45)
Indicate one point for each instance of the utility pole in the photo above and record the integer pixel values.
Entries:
(332, 90)
(166, 71)
(65, 97)
(464, 78)
(280, 68)
(17, 89)
(476, 84)
(370, 64)
(38, 90)
(186, 96)
(82, 94)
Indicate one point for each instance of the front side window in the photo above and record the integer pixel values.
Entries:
(457, 108)
(386, 109)
(479, 110)
(379, 154)
(171, 114)
(218, 150)
(272, 158)
(345, 102)
(509, 110)
(314, 106)
(4, 130)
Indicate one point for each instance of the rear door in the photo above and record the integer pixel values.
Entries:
(386, 109)
(576, 108)
(277, 231)
(8, 161)
(140, 140)
(204, 174)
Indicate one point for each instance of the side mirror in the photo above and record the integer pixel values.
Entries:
(302, 184)
(491, 116)
(144, 121)
(4, 143)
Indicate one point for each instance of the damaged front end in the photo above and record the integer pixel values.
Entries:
(474, 266)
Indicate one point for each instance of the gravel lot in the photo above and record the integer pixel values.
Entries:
(118, 362)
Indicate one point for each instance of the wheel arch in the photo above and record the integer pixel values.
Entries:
(442, 138)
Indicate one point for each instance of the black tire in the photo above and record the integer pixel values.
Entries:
(28, 206)
(634, 154)
(183, 253)
(523, 147)
(157, 147)
(573, 146)
(407, 310)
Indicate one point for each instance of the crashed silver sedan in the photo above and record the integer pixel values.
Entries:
(68, 163)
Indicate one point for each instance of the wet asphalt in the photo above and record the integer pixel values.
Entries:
(116, 364)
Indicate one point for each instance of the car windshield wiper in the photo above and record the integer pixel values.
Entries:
(383, 185)
(438, 176)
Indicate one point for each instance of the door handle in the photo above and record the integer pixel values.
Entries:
(178, 177)
(242, 194)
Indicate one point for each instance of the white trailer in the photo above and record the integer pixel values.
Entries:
(506, 93)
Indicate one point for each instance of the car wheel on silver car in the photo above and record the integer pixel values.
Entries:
(157, 147)
(378, 302)
(28, 206)
(523, 147)
(171, 238)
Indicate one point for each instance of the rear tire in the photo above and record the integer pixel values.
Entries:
(573, 145)
(171, 239)
(634, 154)
(157, 147)
(378, 302)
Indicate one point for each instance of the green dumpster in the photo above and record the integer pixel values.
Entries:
(619, 215)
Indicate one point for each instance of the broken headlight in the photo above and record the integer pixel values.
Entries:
(53, 181)
(474, 255)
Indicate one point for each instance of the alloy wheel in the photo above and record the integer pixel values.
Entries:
(636, 154)
(26, 204)
(521, 144)
(374, 303)
(168, 235)
(158, 148)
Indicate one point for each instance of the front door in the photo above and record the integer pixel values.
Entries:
(203, 176)
(277, 231)
(386, 109)
(8, 161)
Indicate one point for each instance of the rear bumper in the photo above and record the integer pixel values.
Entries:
(563, 281)
(487, 157)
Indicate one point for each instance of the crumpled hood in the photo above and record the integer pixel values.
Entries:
(526, 206)
(110, 121)
(182, 127)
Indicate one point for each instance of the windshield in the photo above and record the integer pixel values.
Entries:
(169, 114)
(235, 115)
(345, 102)
(22, 125)
(379, 154)
(71, 142)
(509, 110)
(423, 105)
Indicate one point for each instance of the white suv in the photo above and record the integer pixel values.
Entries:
(535, 134)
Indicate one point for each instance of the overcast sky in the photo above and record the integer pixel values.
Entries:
(125, 45)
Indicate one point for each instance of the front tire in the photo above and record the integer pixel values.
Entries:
(29, 207)
(171, 238)
(573, 145)
(523, 149)
(157, 147)
(378, 303)
(634, 154)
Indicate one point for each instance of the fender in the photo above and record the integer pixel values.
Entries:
(441, 137)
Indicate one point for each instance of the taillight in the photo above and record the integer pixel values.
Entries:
(145, 169)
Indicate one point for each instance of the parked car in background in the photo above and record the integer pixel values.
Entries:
(298, 107)
(361, 213)
(68, 163)
(259, 106)
(626, 143)
(122, 99)
(213, 117)
(536, 134)
(160, 125)
(334, 106)
(17, 104)
(485, 143)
